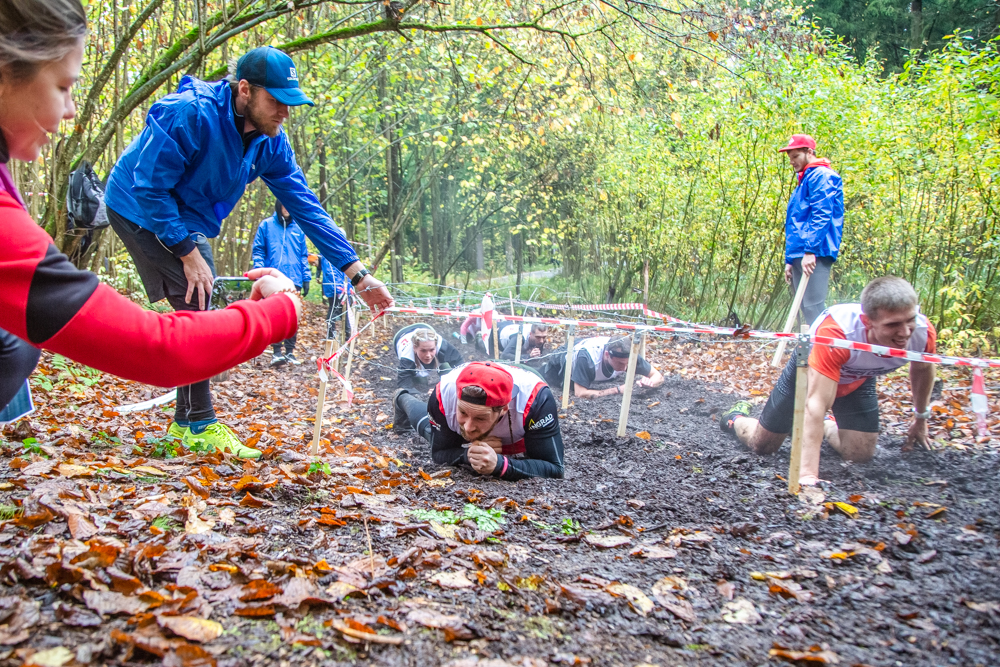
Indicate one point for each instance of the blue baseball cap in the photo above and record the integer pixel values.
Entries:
(274, 71)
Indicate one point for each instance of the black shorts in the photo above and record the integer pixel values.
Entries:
(162, 274)
(857, 411)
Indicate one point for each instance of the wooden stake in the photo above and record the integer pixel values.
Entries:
(633, 357)
(645, 304)
(567, 382)
(318, 426)
(350, 359)
(796, 303)
(342, 336)
(801, 389)
(496, 337)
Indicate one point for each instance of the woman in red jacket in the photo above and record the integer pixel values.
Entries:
(48, 303)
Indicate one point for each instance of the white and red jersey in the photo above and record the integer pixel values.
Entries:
(511, 432)
(850, 368)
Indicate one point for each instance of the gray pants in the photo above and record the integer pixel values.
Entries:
(814, 300)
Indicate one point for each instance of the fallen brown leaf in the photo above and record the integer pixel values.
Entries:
(452, 626)
(190, 627)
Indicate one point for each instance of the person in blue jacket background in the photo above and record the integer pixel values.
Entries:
(280, 244)
(182, 176)
(814, 223)
(337, 289)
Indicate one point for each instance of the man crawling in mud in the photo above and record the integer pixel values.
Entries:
(501, 420)
(843, 381)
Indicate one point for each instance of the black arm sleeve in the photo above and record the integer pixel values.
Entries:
(583, 370)
(642, 367)
(543, 445)
(446, 445)
(511, 350)
(406, 376)
(447, 354)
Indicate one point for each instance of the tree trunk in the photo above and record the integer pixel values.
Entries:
(425, 244)
(916, 25)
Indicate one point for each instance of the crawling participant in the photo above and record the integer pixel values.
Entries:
(599, 359)
(420, 350)
(533, 339)
(844, 380)
(500, 420)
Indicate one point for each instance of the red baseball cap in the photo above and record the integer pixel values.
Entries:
(498, 382)
(799, 141)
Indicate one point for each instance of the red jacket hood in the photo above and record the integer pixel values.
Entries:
(821, 162)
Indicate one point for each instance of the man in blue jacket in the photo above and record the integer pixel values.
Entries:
(337, 289)
(183, 175)
(280, 244)
(814, 223)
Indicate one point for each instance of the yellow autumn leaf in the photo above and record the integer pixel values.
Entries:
(644, 435)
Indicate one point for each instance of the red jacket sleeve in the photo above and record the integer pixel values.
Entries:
(53, 305)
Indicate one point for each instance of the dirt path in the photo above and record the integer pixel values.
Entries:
(677, 550)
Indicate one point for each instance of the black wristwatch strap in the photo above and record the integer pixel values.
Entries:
(359, 276)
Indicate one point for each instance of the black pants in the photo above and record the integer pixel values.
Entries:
(416, 414)
(163, 277)
(857, 411)
(17, 361)
(289, 344)
(337, 311)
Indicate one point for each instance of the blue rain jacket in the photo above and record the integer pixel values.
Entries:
(334, 280)
(187, 170)
(814, 222)
(277, 246)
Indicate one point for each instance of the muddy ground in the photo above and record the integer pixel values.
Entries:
(720, 565)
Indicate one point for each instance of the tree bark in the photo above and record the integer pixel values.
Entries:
(916, 25)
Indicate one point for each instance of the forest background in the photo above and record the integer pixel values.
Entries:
(456, 142)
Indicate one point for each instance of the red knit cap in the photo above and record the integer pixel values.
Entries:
(497, 382)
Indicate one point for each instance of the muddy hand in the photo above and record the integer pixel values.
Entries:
(916, 433)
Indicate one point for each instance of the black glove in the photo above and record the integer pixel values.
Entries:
(305, 288)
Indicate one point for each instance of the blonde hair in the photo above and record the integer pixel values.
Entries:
(424, 336)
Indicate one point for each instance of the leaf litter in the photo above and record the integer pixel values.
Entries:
(187, 557)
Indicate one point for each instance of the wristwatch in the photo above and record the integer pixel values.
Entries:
(922, 415)
(359, 276)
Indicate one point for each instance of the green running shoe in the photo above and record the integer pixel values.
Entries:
(727, 421)
(176, 431)
(221, 437)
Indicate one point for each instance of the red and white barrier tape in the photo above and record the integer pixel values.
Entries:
(728, 331)
(323, 364)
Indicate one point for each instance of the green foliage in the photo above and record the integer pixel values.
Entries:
(73, 377)
(163, 448)
(488, 520)
(8, 512)
(320, 467)
(102, 439)
(442, 516)
(166, 523)
(31, 446)
(883, 29)
(198, 445)
(571, 526)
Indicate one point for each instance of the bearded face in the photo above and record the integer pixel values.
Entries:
(264, 112)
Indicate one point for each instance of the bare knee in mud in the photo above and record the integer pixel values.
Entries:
(765, 443)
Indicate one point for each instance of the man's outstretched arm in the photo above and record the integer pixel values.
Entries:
(821, 394)
(921, 386)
